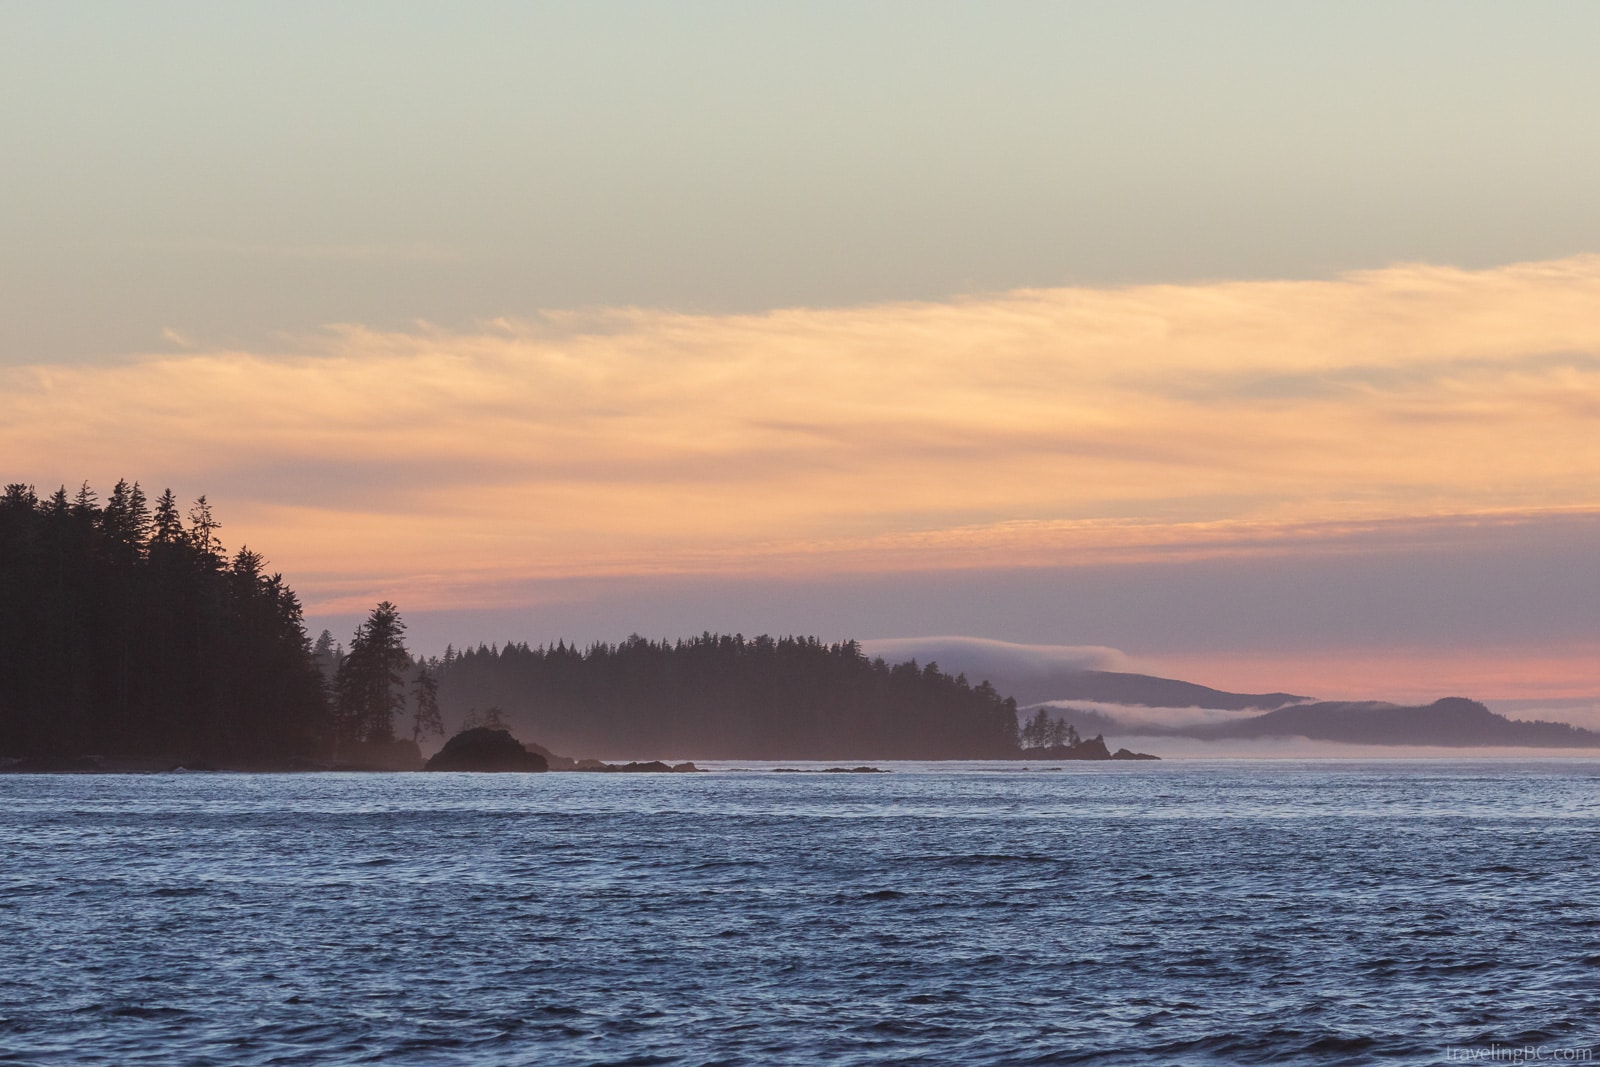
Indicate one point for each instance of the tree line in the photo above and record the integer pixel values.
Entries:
(721, 696)
(126, 630)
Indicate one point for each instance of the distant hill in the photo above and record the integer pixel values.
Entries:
(1448, 722)
(1453, 721)
(1115, 687)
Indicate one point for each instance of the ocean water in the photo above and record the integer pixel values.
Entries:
(1176, 912)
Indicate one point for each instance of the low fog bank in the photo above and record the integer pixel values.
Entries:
(979, 658)
(1180, 748)
(1101, 716)
(1120, 720)
(1454, 721)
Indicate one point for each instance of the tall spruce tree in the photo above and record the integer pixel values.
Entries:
(371, 680)
(425, 696)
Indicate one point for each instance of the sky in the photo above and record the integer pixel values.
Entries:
(1256, 342)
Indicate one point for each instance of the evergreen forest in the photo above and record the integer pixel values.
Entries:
(720, 696)
(126, 631)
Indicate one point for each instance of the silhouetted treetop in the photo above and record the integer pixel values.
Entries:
(125, 632)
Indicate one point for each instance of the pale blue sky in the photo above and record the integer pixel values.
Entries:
(235, 171)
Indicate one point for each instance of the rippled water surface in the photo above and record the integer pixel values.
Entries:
(1194, 912)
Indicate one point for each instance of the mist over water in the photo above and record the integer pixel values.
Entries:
(1196, 911)
(1169, 747)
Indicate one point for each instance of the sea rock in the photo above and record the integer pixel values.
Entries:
(1093, 748)
(651, 767)
(483, 749)
(830, 770)
(557, 763)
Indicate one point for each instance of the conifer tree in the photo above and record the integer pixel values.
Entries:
(167, 525)
(87, 501)
(425, 694)
(202, 534)
(371, 680)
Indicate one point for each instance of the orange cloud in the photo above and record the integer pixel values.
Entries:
(1038, 427)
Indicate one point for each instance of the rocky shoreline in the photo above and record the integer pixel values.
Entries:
(1093, 748)
(480, 749)
(485, 749)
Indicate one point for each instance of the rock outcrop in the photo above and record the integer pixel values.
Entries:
(483, 749)
(650, 767)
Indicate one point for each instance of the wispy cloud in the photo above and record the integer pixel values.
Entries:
(1138, 718)
(983, 657)
(1038, 427)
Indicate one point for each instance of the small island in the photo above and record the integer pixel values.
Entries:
(483, 749)
(486, 749)
(1049, 737)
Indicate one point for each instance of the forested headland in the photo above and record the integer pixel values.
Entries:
(125, 629)
(128, 632)
(720, 696)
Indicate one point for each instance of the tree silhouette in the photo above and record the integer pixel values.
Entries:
(425, 699)
(725, 696)
(1046, 731)
(371, 680)
(122, 633)
(202, 532)
(168, 527)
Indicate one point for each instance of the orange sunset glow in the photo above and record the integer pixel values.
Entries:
(1038, 428)
(698, 532)
(1222, 364)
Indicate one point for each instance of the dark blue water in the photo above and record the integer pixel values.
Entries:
(1218, 912)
